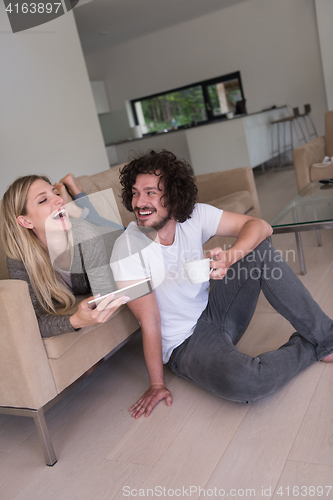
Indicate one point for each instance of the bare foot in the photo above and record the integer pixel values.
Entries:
(328, 359)
(73, 187)
(63, 192)
(72, 208)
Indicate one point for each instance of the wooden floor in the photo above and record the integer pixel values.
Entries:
(280, 447)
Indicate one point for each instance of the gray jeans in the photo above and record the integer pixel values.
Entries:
(209, 357)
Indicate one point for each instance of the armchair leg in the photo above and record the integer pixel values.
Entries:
(44, 437)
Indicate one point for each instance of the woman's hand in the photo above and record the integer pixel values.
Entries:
(150, 399)
(85, 316)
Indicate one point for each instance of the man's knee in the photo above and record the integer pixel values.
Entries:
(264, 262)
(244, 383)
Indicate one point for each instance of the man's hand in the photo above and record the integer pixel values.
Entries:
(150, 399)
(220, 263)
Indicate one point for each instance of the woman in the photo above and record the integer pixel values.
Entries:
(35, 225)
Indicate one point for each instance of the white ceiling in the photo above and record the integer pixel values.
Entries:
(103, 23)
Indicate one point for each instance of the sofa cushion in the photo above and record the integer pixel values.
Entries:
(73, 357)
(57, 345)
(239, 202)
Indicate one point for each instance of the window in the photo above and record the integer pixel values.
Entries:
(191, 105)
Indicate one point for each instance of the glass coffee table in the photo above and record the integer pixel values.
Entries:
(311, 209)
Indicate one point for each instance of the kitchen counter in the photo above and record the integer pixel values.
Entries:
(244, 140)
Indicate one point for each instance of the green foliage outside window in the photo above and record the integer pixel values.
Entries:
(190, 105)
(174, 110)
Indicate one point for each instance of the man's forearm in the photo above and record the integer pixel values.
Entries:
(146, 311)
(252, 234)
(152, 348)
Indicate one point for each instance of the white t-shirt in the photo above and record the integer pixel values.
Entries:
(135, 256)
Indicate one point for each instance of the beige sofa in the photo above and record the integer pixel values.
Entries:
(308, 158)
(36, 372)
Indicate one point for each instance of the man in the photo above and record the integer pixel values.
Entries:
(193, 330)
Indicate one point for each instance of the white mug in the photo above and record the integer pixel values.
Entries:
(198, 271)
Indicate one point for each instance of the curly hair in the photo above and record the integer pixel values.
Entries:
(180, 190)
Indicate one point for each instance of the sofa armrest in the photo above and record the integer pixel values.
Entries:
(26, 379)
(217, 184)
(304, 157)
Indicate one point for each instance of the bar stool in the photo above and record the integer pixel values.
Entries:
(302, 137)
(280, 126)
(312, 134)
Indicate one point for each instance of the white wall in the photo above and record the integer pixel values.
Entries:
(48, 120)
(100, 97)
(173, 141)
(324, 9)
(218, 146)
(274, 43)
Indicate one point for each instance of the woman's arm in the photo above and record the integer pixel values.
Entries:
(69, 189)
(90, 214)
(92, 251)
(49, 324)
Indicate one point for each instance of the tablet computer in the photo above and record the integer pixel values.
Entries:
(134, 291)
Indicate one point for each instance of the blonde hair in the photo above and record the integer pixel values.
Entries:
(22, 244)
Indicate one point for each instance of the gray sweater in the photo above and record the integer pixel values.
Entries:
(90, 273)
